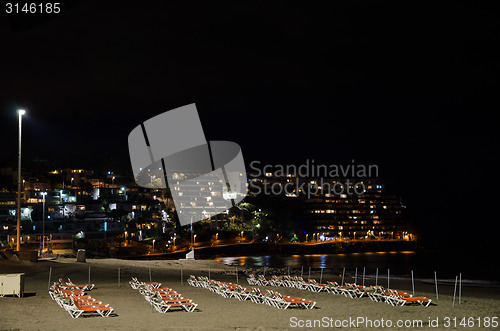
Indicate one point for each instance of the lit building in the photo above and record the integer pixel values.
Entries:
(339, 208)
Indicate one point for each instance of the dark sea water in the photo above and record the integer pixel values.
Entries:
(479, 269)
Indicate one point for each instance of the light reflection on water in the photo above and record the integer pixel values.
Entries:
(423, 264)
(355, 260)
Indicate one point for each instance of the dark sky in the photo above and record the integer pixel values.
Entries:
(412, 87)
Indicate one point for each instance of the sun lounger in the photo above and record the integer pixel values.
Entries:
(102, 309)
(285, 302)
(251, 280)
(242, 293)
(86, 287)
(400, 298)
(275, 281)
(317, 287)
(192, 281)
(164, 306)
(262, 281)
(135, 284)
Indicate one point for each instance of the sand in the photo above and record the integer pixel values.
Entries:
(36, 311)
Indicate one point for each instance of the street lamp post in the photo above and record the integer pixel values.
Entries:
(43, 221)
(21, 112)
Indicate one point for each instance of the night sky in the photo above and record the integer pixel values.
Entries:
(412, 87)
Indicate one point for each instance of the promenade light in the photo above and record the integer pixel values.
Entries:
(43, 221)
(21, 112)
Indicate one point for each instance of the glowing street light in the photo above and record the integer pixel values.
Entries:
(154, 245)
(21, 112)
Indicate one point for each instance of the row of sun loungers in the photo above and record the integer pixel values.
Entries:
(162, 299)
(230, 290)
(375, 293)
(73, 299)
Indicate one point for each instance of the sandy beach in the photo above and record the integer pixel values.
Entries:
(36, 311)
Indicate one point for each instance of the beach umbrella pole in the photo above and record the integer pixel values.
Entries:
(236, 275)
(50, 274)
(364, 269)
(460, 289)
(343, 273)
(388, 277)
(376, 277)
(412, 283)
(455, 291)
(356, 276)
(309, 273)
(321, 276)
(436, 282)
(302, 272)
(150, 275)
(209, 271)
(181, 276)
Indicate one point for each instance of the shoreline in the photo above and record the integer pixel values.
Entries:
(259, 248)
